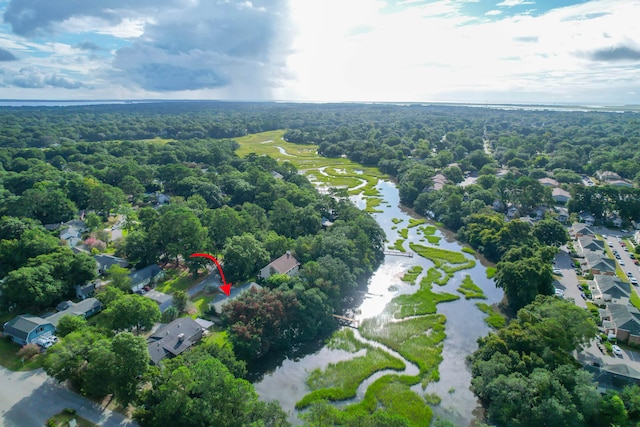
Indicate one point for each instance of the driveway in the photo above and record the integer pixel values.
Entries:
(568, 280)
(31, 398)
(212, 280)
(628, 266)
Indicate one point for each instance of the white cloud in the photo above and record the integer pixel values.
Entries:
(512, 3)
(493, 12)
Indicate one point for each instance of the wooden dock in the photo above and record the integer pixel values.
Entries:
(399, 253)
(347, 320)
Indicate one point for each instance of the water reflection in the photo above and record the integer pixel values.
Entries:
(465, 323)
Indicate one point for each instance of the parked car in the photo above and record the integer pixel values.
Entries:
(610, 244)
(634, 281)
(629, 274)
(616, 350)
(557, 271)
(632, 256)
(621, 262)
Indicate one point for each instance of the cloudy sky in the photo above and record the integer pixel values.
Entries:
(521, 51)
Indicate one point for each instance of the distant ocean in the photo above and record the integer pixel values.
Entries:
(47, 103)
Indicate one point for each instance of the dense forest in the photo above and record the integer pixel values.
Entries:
(116, 159)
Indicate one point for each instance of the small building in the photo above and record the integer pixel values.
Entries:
(549, 182)
(599, 264)
(163, 300)
(610, 288)
(106, 261)
(85, 291)
(562, 215)
(439, 181)
(619, 183)
(588, 243)
(25, 329)
(580, 229)
(623, 320)
(560, 195)
(615, 220)
(286, 264)
(150, 274)
(221, 299)
(607, 176)
(173, 339)
(512, 212)
(85, 308)
(71, 235)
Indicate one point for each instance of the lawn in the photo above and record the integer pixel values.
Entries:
(201, 302)
(177, 280)
(9, 357)
(63, 418)
(635, 299)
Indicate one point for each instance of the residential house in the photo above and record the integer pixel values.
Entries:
(498, 206)
(538, 213)
(25, 329)
(173, 339)
(590, 244)
(85, 308)
(598, 264)
(580, 229)
(220, 299)
(623, 320)
(512, 212)
(587, 218)
(71, 235)
(562, 214)
(286, 264)
(148, 275)
(85, 291)
(608, 288)
(438, 182)
(619, 183)
(607, 176)
(105, 261)
(549, 182)
(560, 195)
(615, 220)
(163, 300)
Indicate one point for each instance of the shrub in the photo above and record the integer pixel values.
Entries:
(28, 351)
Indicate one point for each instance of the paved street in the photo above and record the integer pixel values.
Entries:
(213, 280)
(30, 398)
(568, 281)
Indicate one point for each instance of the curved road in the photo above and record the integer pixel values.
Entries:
(30, 398)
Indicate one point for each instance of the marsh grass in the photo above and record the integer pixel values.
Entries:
(397, 245)
(470, 290)
(411, 275)
(439, 256)
(468, 250)
(491, 272)
(340, 381)
(404, 233)
(418, 339)
(494, 318)
(372, 204)
(396, 221)
(416, 222)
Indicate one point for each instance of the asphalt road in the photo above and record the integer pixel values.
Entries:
(628, 266)
(568, 280)
(31, 398)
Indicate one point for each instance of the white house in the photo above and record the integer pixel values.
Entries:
(286, 264)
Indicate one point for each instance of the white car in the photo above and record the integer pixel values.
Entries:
(621, 262)
(634, 281)
(559, 293)
(610, 244)
(557, 271)
(616, 350)
(629, 274)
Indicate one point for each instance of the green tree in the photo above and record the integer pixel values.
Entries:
(119, 277)
(242, 256)
(99, 372)
(132, 311)
(131, 361)
(180, 300)
(550, 232)
(93, 221)
(69, 323)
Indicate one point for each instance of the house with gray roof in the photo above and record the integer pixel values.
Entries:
(623, 320)
(221, 299)
(173, 339)
(580, 229)
(25, 329)
(590, 244)
(608, 288)
(150, 274)
(163, 300)
(105, 261)
(85, 308)
(596, 263)
(286, 264)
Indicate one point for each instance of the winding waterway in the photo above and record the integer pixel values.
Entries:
(465, 323)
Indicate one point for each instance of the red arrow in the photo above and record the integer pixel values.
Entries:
(226, 287)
